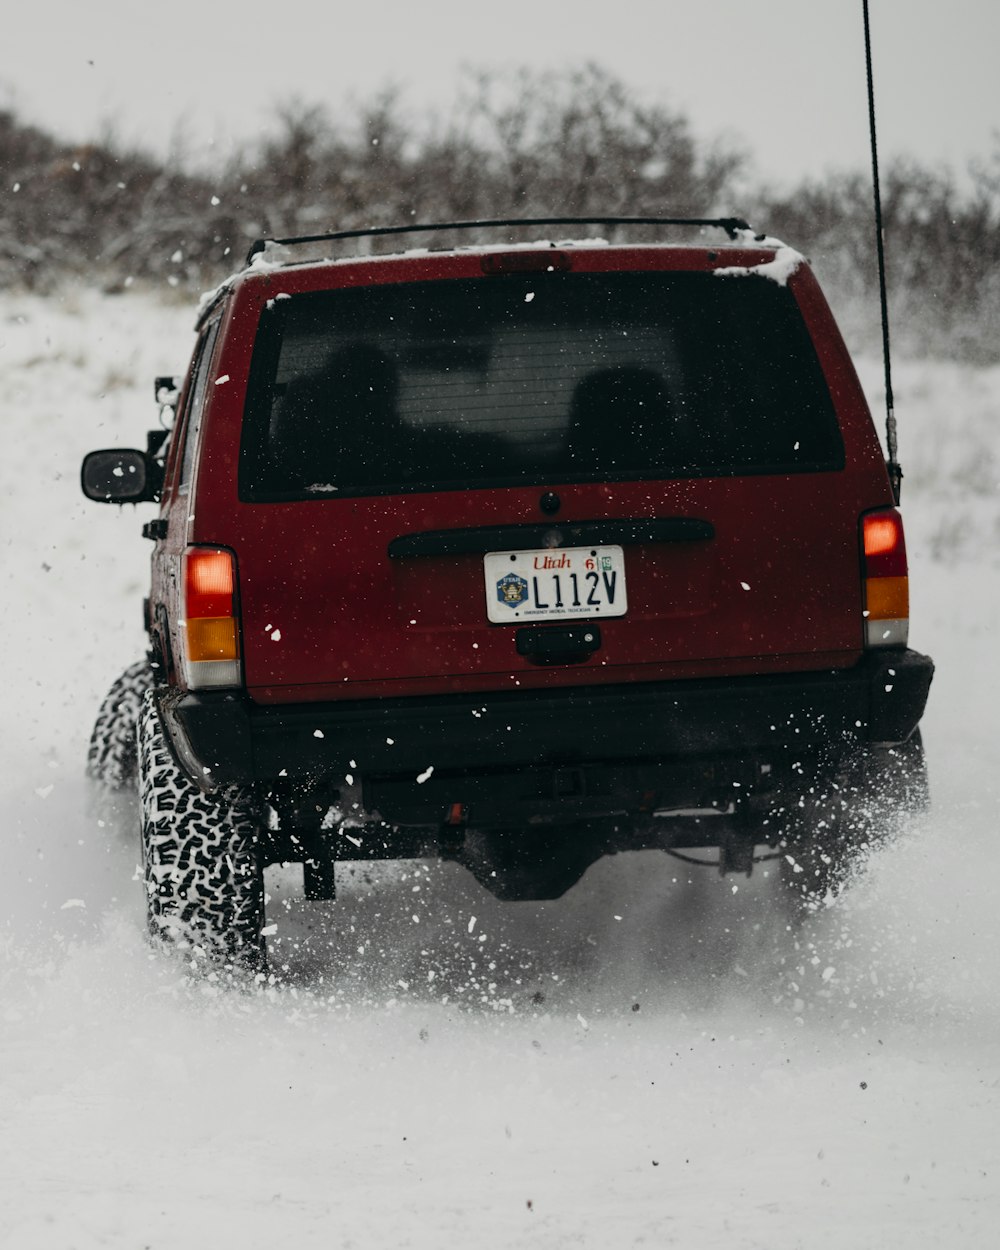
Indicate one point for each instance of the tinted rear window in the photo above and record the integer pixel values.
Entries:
(532, 379)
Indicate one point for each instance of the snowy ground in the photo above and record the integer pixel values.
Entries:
(649, 1061)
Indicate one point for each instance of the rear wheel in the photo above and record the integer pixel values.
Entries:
(856, 813)
(201, 866)
(111, 758)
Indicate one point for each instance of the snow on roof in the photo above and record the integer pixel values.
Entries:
(785, 263)
(261, 261)
(786, 260)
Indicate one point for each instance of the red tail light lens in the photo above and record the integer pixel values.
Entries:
(885, 547)
(209, 582)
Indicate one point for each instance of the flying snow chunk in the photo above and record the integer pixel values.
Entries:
(425, 775)
(223, 380)
(72, 902)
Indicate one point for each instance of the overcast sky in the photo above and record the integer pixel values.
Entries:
(783, 77)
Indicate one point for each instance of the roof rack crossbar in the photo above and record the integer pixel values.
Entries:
(731, 225)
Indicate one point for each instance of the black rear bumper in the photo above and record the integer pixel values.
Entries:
(223, 738)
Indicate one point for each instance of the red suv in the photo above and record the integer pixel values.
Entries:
(517, 555)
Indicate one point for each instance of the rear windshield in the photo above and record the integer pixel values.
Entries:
(532, 379)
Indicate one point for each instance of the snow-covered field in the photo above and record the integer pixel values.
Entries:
(650, 1061)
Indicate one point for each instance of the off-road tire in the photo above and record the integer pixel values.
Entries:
(111, 758)
(858, 811)
(201, 867)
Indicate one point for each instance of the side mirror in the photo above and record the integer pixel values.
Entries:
(120, 477)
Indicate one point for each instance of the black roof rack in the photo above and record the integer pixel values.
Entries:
(731, 225)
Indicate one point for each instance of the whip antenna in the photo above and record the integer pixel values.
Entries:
(892, 463)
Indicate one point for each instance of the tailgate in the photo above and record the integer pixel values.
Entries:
(770, 579)
(654, 459)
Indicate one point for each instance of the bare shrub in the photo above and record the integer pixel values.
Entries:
(517, 144)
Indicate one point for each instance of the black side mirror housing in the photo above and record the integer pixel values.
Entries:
(125, 476)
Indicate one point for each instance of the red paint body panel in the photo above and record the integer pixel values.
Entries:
(327, 614)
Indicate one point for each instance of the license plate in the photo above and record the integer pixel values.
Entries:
(555, 585)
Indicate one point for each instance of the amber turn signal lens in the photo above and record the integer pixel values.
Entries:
(212, 638)
(887, 598)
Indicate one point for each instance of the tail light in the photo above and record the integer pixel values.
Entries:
(211, 634)
(887, 586)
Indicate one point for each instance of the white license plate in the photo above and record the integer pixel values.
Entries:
(555, 585)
